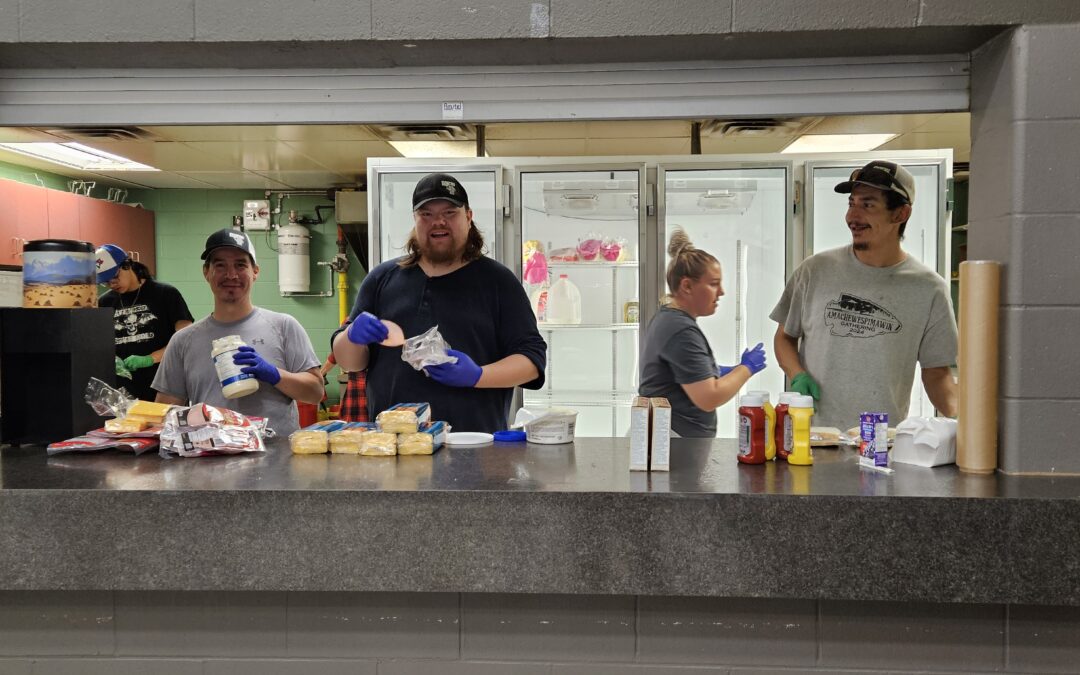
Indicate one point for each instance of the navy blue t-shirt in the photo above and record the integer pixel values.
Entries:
(480, 309)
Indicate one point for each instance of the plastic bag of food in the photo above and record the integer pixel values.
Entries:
(379, 444)
(588, 248)
(426, 349)
(105, 400)
(93, 443)
(563, 255)
(612, 249)
(202, 430)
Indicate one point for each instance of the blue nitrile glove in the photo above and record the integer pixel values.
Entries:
(754, 359)
(366, 329)
(464, 373)
(806, 385)
(256, 365)
(724, 370)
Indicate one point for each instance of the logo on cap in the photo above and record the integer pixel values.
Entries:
(240, 239)
(450, 187)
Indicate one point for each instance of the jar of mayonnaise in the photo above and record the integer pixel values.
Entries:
(234, 384)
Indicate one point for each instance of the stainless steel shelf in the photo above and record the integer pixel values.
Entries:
(544, 326)
(585, 264)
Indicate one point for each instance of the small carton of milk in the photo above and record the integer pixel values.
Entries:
(639, 434)
(660, 455)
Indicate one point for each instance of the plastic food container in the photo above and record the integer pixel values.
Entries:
(59, 273)
(554, 427)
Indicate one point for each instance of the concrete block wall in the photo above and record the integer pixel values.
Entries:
(413, 634)
(1025, 212)
(148, 21)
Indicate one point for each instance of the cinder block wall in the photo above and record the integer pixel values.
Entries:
(241, 633)
(1025, 212)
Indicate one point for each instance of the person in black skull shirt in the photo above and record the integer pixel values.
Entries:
(146, 314)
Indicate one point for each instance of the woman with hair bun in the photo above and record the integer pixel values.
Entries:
(677, 361)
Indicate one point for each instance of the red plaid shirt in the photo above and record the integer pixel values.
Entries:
(354, 400)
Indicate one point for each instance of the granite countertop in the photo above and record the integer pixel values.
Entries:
(521, 518)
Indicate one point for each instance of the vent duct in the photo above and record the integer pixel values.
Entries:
(425, 132)
(758, 127)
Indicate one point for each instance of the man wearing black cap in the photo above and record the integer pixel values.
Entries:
(277, 350)
(855, 320)
(479, 306)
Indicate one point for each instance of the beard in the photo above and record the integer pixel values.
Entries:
(441, 255)
(860, 246)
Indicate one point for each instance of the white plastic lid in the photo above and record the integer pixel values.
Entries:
(469, 438)
(751, 400)
(759, 392)
(799, 401)
(785, 397)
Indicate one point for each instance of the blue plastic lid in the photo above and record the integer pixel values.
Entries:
(509, 436)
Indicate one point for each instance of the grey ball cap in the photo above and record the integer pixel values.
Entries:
(231, 238)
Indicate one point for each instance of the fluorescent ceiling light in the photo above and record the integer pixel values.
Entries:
(838, 142)
(435, 149)
(76, 156)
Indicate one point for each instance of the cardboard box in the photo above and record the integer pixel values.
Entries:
(660, 433)
(639, 434)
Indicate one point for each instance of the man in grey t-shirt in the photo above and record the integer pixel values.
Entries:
(854, 320)
(278, 353)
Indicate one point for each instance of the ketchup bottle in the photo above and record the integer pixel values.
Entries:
(751, 430)
(783, 430)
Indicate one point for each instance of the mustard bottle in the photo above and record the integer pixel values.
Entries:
(770, 424)
(800, 410)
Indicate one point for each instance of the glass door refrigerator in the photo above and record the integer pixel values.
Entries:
(391, 217)
(582, 235)
(741, 214)
(925, 238)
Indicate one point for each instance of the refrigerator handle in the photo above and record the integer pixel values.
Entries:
(650, 199)
(506, 195)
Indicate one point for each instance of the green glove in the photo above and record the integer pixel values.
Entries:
(806, 385)
(121, 369)
(135, 362)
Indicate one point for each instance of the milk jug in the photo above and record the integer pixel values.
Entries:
(564, 302)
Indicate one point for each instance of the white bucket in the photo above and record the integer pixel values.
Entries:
(554, 427)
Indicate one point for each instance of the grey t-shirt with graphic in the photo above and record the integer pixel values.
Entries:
(188, 373)
(862, 330)
(677, 353)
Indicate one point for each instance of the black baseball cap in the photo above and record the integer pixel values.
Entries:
(229, 237)
(439, 186)
(887, 176)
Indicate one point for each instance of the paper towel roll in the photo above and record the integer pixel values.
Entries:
(976, 435)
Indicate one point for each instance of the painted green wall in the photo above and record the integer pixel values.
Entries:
(184, 218)
(26, 175)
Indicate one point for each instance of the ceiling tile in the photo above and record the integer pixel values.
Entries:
(871, 124)
(734, 145)
(313, 180)
(535, 130)
(556, 147)
(235, 180)
(637, 146)
(347, 157)
(164, 155)
(283, 132)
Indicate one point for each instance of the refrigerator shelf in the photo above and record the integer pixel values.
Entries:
(544, 326)
(592, 263)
